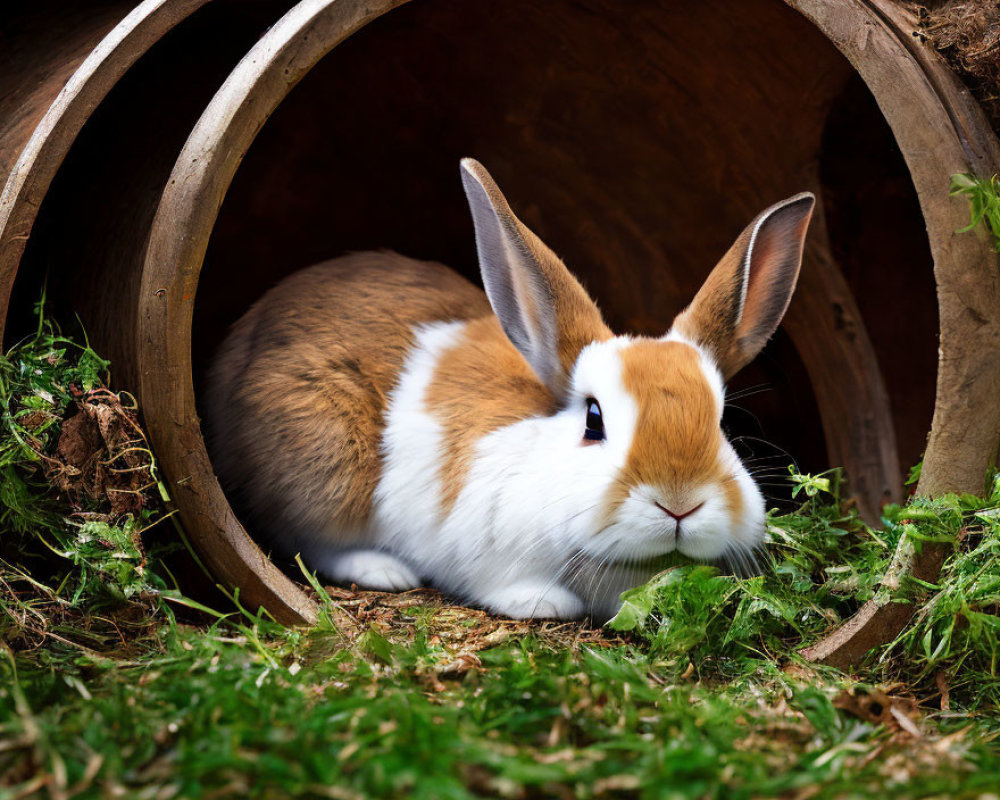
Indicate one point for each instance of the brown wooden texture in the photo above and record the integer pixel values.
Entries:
(941, 131)
(89, 236)
(89, 232)
(61, 76)
(170, 278)
(40, 48)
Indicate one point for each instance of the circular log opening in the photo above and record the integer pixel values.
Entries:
(76, 213)
(630, 156)
(622, 142)
(87, 236)
(42, 45)
(61, 58)
(628, 144)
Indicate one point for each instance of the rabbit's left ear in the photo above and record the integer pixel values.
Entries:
(741, 303)
(543, 309)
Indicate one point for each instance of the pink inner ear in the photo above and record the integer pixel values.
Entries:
(732, 319)
(759, 284)
(774, 263)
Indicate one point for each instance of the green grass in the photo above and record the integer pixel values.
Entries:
(111, 685)
(100, 555)
(984, 202)
(823, 564)
(703, 696)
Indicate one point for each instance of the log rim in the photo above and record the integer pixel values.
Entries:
(960, 448)
(190, 202)
(46, 149)
(286, 53)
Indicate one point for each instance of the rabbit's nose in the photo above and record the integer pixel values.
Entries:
(677, 516)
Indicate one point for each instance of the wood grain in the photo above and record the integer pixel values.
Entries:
(941, 131)
(59, 83)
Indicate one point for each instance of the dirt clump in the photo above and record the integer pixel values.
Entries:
(102, 455)
(967, 34)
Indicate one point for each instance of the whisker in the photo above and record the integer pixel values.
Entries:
(541, 538)
(750, 391)
(748, 438)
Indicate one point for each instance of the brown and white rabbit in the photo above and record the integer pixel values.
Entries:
(376, 415)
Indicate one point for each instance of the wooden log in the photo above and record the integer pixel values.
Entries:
(100, 157)
(170, 278)
(839, 356)
(631, 146)
(63, 78)
(941, 131)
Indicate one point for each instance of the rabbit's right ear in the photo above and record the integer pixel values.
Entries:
(744, 298)
(543, 309)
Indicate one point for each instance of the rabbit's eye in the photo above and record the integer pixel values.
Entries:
(595, 422)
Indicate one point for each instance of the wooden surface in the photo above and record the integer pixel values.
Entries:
(89, 237)
(40, 48)
(61, 78)
(89, 234)
(941, 131)
(169, 282)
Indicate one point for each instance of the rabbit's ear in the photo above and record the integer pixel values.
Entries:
(744, 298)
(543, 309)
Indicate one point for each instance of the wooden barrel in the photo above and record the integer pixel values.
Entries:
(636, 144)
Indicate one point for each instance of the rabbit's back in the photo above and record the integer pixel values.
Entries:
(298, 391)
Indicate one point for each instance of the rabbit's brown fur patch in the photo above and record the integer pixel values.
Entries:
(481, 384)
(712, 317)
(734, 497)
(300, 387)
(677, 435)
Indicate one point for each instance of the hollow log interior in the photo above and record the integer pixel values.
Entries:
(89, 237)
(636, 144)
(41, 44)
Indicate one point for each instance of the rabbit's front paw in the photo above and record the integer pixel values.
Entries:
(531, 600)
(371, 569)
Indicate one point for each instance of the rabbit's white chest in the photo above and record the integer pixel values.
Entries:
(407, 497)
(496, 530)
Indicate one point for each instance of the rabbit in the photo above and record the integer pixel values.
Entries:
(398, 427)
